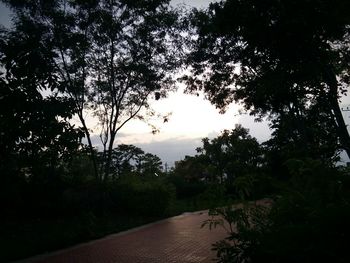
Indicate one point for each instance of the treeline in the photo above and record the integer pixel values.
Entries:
(70, 185)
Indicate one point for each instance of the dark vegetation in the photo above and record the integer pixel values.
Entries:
(284, 60)
(289, 61)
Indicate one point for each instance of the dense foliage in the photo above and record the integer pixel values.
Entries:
(286, 59)
(289, 61)
(234, 159)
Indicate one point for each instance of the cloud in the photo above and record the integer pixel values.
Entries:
(193, 3)
(95, 140)
(171, 150)
(259, 130)
(5, 16)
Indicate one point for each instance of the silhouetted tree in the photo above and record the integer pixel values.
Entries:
(232, 154)
(108, 57)
(282, 58)
(128, 158)
(131, 61)
(151, 165)
(193, 168)
(125, 158)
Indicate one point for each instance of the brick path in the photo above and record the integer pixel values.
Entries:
(175, 240)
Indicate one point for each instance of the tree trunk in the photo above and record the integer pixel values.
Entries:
(109, 157)
(342, 130)
(91, 148)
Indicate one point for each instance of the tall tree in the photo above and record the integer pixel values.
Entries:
(276, 57)
(131, 62)
(108, 57)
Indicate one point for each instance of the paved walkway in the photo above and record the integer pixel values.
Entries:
(175, 240)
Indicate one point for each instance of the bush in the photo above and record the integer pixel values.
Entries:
(186, 189)
(92, 196)
(213, 196)
(145, 197)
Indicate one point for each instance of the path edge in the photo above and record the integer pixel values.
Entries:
(109, 236)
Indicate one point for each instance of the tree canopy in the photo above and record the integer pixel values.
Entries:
(127, 159)
(287, 59)
(108, 58)
(232, 154)
(35, 131)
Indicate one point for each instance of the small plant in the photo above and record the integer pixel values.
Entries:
(244, 224)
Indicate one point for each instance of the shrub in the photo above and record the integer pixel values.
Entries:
(145, 197)
(186, 189)
(92, 196)
(308, 222)
(213, 196)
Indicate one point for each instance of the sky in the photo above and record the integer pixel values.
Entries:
(192, 118)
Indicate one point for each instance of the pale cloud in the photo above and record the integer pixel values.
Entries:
(5, 16)
(172, 149)
(259, 130)
(192, 3)
(192, 117)
(169, 150)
